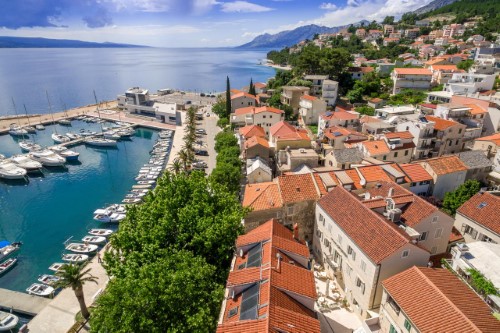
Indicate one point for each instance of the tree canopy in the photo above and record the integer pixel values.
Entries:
(453, 200)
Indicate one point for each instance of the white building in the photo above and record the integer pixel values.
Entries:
(411, 78)
(330, 91)
(264, 117)
(310, 109)
(423, 133)
(468, 83)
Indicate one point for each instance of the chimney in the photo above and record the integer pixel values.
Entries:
(296, 231)
(390, 193)
(278, 255)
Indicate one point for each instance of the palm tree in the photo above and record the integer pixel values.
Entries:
(176, 166)
(72, 276)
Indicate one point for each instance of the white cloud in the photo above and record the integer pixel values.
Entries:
(243, 7)
(328, 6)
(203, 6)
(353, 3)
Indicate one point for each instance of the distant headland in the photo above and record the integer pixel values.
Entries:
(38, 42)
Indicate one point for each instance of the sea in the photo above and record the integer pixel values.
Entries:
(58, 204)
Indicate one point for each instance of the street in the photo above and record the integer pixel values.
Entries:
(207, 141)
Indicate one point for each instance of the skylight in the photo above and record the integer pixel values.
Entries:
(482, 205)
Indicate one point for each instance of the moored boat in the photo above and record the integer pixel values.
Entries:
(100, 232)
(81, 248)
(69, 155)
(26, 163)
(15, 130)
(48, 279)
(40, 289)
(28, 145)
(59, 138)
(65, 122)
(40, 127)
(7, 248)
(57, 266)
(30, 129)
(131, 201)
(7, 265)
(107, 216)
(94, 239)
(100, 142)
(8, 321)
(73, 136)
(9, 170)
(47, 158)
(75, 258)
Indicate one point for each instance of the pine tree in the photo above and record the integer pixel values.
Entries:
(251, 89)
(228, 97)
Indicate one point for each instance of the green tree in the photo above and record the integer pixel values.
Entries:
(334, 61)
(228, 97)
(219, 108)
(351, 29)
(388, 20)
(227, 175)
(355, 95)
(453, 200)
(366, 110)
(225, 139)
(465, 64)
(251, 88)
(73, 275)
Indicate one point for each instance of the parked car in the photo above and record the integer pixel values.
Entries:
(201, 131)
(201, 152)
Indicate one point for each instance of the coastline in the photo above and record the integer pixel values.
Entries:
(283, 68)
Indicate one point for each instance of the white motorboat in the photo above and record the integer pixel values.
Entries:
(30, 129)
(111, 135)
(7, 248)
(100, 232)
(125, 133)
(47, 158)
(40, 289)
(100, 142)
(65, 122)
(84, 132)
(28, 145)
(40, 127)
(8, 321)
(81, 248)
(69, 155)
(146, 182)
(107, 216)
(26, 163)
(9, 170)
(7, 265)
(57, 266)
(75, 257)
(73, 136)
(15, 130)
(59, 138)
(94, 239)
(48, 279)
(131, 201)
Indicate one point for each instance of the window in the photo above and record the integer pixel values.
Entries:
(460, 131)
(434, 219)
(406, 152)
(348, 270)
(363, 266)
(353, 255)
(360, 284)
(449, 143)
(405, 254)
(396, 154)
(456, 142)
(290, 210)
(339, 239)
(270, 116)
(439, 233)
(423, 236)
(434, 250)
(232, 312)
(384, 158)
(407, 325)
(321, 218)
(263, 116)
(349, 249)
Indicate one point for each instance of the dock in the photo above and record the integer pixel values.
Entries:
(22, 302)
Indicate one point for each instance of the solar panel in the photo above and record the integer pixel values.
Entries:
(482, 204)
(250, 303)
(337, 134)
(254, 256)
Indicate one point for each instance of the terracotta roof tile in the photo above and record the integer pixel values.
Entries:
(256, 110)
(415, 172)
(296, 188)
(441, 124)
(247, 326)
(376, 147)
(401, 135)
(448, 68)
(372, 234)
(256, 140)
(252, 130)
(284, 320)
(285, 131)
(242, 94)
(484, 209)
(342, 115)
(455, 235)
(413, 71)
(419, 289)
(495, 138)
(446, 164)
(308, 97)
(476, 109)
(262, 196)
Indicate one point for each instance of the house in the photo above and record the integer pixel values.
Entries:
(373, 125)
(389, 40)
(422, 23)
(469, 83)
(377, 149)
(478, 165)
(264, 117)
(437, 61)
(453, 30)
(489, 144)
(422, 131)
(329, 91)
(269, 287)
(376, 103)
(264, 202)
(420, 180)
(411, 78)
(258, 171)
(310, 109)
(357, 73)
(435, 34)
(283, 135)
(288, 160)
(291, 96)
(441, 74)
(248, 131)
(478, 218)
(317, 83)
(471, 115)
(481, 257)
(337, 136)
(348, 119)
(360, 248)
(401, 146)
(343, 158)
(448, 135)
(423, 222)
(388, 29)
(412, 33)
(256, 146)
(361, 33)
(411, 309)
(447, 172)
(243, 100)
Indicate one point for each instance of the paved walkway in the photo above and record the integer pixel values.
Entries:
(59, 315)
(22, 302)
(125, 117)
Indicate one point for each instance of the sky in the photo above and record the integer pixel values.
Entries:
(184, 23)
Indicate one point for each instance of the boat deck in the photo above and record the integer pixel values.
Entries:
(22, 302)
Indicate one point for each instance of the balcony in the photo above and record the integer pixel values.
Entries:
(372, 325)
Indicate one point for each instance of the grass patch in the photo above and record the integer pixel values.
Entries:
(314, 129)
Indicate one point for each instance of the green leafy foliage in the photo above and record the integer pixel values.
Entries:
(251, 88)
(228, 97)
(225, 139)
(481, 284)
(453, 200)
(465, 64)
(407, 96)
(228, 168)
(366, 110)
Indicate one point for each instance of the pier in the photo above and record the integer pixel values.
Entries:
(22, 302)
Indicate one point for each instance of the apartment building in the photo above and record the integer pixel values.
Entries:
(360, 248)
(447, 172)
(291, 96)
(330, 91)
(310, 109)
(264, 117)
(422, 131)
(478, 218)
(448, 136)
(242, 100)
(469, 83)
(411, 78)
(347, 119)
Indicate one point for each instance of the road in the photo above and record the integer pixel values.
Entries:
(209, 124)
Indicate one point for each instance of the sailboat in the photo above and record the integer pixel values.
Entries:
(66, 121)
(58, 138)
(29, 128)
(99, 142)
(16, 129)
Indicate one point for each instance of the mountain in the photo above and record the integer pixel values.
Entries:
(436, 4)
(37, 42)
(292, 37)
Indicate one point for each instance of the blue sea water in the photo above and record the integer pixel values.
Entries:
(70, 75)
(52, 207)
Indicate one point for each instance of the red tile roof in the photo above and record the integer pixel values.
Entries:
(447, 68)
(308, 97)
(252, 130)
(455, 235)
(256, 140)
(401, 135)
(342, 115)
(415, 172)
(476, 109)
(372, 234)
(495, 138)
(285, 131)
(242, 94)
(413, 71)
(435, 300)
(376, 147)
(484, 209)
(262, 196)
(296, 188)
(446, 164)
(256, 110)
(429, 105)
(441, 124)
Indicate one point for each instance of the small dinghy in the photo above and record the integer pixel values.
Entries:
(40, 127)
(100, 232)
(131, 201)
(107, 216)
(75, 258)
(48, 279)
(94, 239)
(7, 248)
(7, 265)
(81, 248)
(8, 321)
(57, 267)
(30, 129)
(65, 122)
(40, 289)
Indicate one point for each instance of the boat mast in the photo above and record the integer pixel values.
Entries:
(50, 111)
(98, 113)
(26, 111)
(15, 111)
